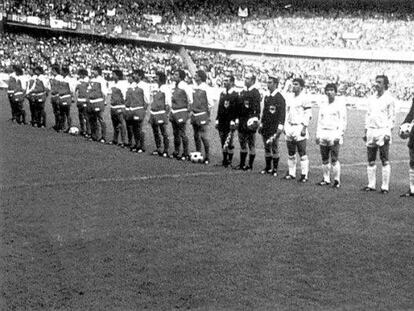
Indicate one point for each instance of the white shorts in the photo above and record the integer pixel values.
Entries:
(327, 137)
(375, 137)
(292, 132)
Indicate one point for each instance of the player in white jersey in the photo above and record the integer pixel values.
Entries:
(298, 115)
(379, 122)
(329, 134)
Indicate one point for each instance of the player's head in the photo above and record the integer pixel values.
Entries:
(138, 75)
(18, 70)
(160, 78)
(228, 81)
(200, 76)
(297, 85)
(96, 71)
(38, 70)
(330, 91)
(82, 73)
(117, 74)
(381, 83)
(272, 83)
(55, 70)
(65, 71)
(249, 79)
(179, 75)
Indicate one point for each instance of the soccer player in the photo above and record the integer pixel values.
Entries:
(97, 93)
(225, 120)
(379, 122)
(66, 89)
(37, 92)
(181, 100)
(410, 119)
(298, 116)
(54, 83)
(200, 119)
(15, 91)
(271, 126)
(248, 107)
(81, 99)
(137, 97)
(329, 134)
(160, 107)
(117, 94)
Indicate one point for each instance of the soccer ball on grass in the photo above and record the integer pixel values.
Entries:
(196, 157)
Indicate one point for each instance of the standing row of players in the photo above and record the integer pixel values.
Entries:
(288, 113)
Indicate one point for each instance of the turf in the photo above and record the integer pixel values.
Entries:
(86, 226)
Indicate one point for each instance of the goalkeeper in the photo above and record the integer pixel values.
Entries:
(271, 126)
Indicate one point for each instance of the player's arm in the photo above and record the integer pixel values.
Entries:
(281, 113)
(256, 102)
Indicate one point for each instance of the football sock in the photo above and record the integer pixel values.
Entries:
(304, 165)
(268, 163)
(230, 155)
(251, 160)
(243, 156)
(386, 173)
(336, 171)
(325, 169)
(224, 157)
(411, 173)
(292, 165)
(372, 172)
(275, 163)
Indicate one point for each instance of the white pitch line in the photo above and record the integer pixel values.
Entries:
(151, 177)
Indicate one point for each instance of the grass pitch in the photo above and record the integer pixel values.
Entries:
(86, 226)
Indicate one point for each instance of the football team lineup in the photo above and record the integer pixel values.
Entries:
(286, 112)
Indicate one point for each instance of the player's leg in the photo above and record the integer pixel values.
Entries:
(223, 138)
(371, 169)
(166, 140)
(291, 147)
(206, 143)
(268, 156)
(177, 139)
(275, 155)
(157, 138)
(325, 151)
(336, 166)
(251, 141)
(410, 193)
(141, 136)
(386, 167)
(304, 160)
(243, 150)
(197, 138)
(184, 138)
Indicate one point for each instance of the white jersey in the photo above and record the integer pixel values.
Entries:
(380, 112)
(298, 109)
(331, 118)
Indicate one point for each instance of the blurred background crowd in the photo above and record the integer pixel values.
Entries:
(346, 25)
(354, 78)
(343, 24)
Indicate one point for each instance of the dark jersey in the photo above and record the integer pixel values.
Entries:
(248, 107)
(227, 109)
(274, 111)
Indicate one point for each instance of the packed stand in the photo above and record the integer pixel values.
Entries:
(348, 25)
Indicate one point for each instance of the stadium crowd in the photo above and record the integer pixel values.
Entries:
(354, 78)
(351, 25)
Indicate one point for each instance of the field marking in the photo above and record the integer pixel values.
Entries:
(152, 177)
